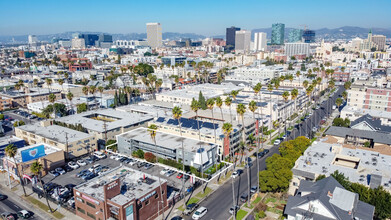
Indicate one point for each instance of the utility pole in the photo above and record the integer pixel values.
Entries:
(67, 146)
(105, 127)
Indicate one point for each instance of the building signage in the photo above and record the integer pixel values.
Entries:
(89, 199)
(112, 185)
(33, 153)
(129, 212)
(148, 196)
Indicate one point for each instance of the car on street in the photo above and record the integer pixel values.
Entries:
(71, 202)
(179, 176)
(24, 214)
(253, 189)
(81, 163)
(277, 142)
(334, 107)
(236, 173)
(73, 165)
(284, 137)
(190, 208)
(54, 173)
(234, 209)
(244, 197)
(169, 173)
(199, 213)
(177, 218)
(99, 155)
(8, 215)
(164, 171)
(60, 170)
(2, 197)
(248, 165)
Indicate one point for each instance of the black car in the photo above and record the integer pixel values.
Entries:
(70, 187)
(67, 168)
(2, 197)
(123, 159)
(49, 186)
(244, 197)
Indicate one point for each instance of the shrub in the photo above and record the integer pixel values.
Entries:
(138, 153)
(150, 157)
(260, 207)
(261, 214)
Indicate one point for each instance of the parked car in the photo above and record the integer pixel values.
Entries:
(95, 166)
(234, 209)
(284, 137)
(60, 170)
(244, 197)
(53, 173)
(248, 165)
(81, 163)
(179, 176)
(277, 142)
(236, 174)
(71, 202)
(118, 158)
(70, 187)
(164, 171)
(8, 216)
(88, 176)
(190, 208)
(2, 197)
(99, 155)
(199, 213)
(169, 173)
(73, 165)
(89, 160)
(81, 173)
(48, 187)
(132, 162)
(140, 164)
(148, 166)
(253, 189)
(67, 168)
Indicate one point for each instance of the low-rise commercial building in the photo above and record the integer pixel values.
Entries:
(29, 95)
(74, 143)
(121, 193)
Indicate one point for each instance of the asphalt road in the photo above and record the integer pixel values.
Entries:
(13, 205)
(220, 201)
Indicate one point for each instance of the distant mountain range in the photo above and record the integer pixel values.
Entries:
(346, 32)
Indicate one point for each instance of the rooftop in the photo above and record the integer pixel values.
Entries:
(356, 164)
(55, 132)
(376, 136)
(94, 120)
(166, 140)
(4, 141)
(48, 150)
(138, 184)
(372, 112)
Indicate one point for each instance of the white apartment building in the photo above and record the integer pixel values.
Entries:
(154, 35)
(78, 43)
(130, 43)
(242, 41)
(260, 41)
(252, 75)
(292, 49)
(369, 98)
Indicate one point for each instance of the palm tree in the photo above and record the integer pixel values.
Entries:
(270, 89)
(49, 83)
(228, 102)
(210, 103)
(241, 109)
(253, 108)
(227, 129)
(11, 151)
(219, 103)
(152, 132)
(70, 97)
(285, 96)
(101, 89)
(344, 95)
(177, 114)
(92, 91)
(331, 87)
(338, 102)
(52, 99)
(85, 90)
(294, 94)
(234, 93)
(36, 168)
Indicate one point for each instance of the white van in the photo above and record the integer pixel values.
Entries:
(99, 155)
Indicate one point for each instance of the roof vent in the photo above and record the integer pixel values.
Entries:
(329, 194)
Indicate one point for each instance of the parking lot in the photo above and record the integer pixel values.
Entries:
(70, 177)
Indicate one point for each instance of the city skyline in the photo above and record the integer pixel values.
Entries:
(129, 17)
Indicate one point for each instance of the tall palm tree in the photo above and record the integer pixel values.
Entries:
(253, 108)
(92, 91)
(52, 99)
(228, 102)
(285, 96)
(219, 103)
(234, 93)
(11, 151)
(227, 129)
(331, 87)
(177, 114)
(152, 132)
(210, 103)
(294, 94)
(85, 90)
(49, 83)
(70, 97)
(35, 82)
(241, 109)
(101, 89)
(309, 92)
(36, 168)
(277, 85)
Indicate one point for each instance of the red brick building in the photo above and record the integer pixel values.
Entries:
(341, 76)
(78, 64)
(123, 194)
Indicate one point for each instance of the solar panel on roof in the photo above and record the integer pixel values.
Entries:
(160, 119)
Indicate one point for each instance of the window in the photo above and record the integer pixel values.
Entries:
(156, 196)
(91, 205)
(147, 202)
(81, 210)
(91, 215)
(162, 192)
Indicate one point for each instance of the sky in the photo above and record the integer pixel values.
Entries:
(206, 17)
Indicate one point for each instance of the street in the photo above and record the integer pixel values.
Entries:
(220, 201)
(14, 205)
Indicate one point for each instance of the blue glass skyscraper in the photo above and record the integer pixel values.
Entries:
(309, 36)
(295, 35)
(278, 34)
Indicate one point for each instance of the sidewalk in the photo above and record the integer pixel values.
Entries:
(60, 212)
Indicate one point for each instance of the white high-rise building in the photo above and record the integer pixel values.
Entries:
(242, 41)
(32, 39)
(78, 43)
(154, 35)
(260, 41)
(292, 49)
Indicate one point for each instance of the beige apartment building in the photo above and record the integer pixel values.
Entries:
(73, 143)
(370, 98)
(22, 98)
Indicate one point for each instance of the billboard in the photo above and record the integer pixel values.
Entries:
(33, 153)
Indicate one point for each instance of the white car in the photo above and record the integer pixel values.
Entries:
(60, 170)
(113, 156)
(277, 142)
(164, 171)
(81, 163)
(92, 169)
(118, 158)
(199, 213)
(99, 155)
(132, 162)
(235, 174)
(73, 165)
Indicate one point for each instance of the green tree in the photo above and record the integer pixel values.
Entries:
(36, 168)
(81, 107)
(1, 117)
(338, 102)
(11, 151)
(202, 101)
(19, 123)
(320, 177)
